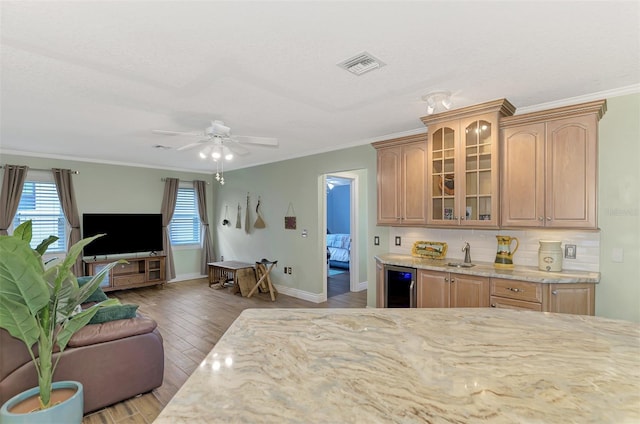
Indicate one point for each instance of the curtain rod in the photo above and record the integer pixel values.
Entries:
(40, 169)
(163, 179)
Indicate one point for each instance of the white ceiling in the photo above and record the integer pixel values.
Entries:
(92, 79)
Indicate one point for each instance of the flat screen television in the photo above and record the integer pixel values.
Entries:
(125, 233)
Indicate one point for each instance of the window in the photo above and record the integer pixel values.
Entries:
(40, 204)
(184, 228)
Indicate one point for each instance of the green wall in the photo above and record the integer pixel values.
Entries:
(112, 188)
(618, 294)
(297, 181)
(103, 188)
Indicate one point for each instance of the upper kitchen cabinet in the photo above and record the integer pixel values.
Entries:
(549, 167)
(462, 165)
(401, 180)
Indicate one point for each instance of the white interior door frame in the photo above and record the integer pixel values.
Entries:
(354, 223)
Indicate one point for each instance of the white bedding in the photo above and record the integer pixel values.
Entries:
(339, 246)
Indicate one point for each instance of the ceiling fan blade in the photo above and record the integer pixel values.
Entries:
(264, 141)
(192, 134)
(191, 145)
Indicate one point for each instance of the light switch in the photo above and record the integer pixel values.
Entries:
(617, 254)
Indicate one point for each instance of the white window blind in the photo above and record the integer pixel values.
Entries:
(40, 204)
(184, 228)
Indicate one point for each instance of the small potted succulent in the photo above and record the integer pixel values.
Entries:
(40, 305)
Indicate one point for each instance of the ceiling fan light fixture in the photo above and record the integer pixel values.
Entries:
(217, 153)
(228, 154)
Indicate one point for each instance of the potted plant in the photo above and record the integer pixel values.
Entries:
(40, 305)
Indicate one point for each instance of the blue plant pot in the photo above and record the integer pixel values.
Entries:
(68, 412)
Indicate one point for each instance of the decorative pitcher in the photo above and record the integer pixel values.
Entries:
(504, 257)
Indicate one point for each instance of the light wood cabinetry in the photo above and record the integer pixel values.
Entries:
(137, 272)
(549, 167)
(462, 165)
(401, 180)
(438, 289)
(576, 299)
(568, 298)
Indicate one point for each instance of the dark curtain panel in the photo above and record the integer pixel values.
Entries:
(12, 184)
(66, 194)
(168, 207)
(207, 244)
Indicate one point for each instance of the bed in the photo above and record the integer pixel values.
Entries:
(338, 250)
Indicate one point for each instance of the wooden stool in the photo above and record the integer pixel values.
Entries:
(262, 272)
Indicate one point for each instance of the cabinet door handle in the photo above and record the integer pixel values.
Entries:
(453, 280)
(541, 218)
(446, 280)
(548, 218)
(517, 290)
(554, 292)
(493, 305)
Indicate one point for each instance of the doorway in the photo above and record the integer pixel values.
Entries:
(340, 228)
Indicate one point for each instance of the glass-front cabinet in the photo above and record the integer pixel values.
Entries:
(462, 157)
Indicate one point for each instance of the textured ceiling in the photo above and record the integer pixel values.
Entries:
(91, 80)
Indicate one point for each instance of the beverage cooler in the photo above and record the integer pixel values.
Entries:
(400, 289)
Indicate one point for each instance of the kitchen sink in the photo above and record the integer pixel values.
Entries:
(461, 264)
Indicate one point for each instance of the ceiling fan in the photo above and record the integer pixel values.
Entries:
(217, 141)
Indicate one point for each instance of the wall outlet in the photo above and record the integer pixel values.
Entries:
(398, 241)
(570, 251)
(290, 270)
(376, 241)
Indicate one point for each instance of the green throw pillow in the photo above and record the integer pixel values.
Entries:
(113, 313)
(96, 296)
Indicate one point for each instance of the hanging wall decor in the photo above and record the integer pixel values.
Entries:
(259, 221)
(239, 217)
(290, 218)
(247, 219)
(225, 221)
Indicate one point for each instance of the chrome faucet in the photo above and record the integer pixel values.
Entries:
(467, 252)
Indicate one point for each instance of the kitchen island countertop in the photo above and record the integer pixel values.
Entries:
(415, 366)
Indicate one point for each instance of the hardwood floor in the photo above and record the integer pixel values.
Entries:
(338, 284)
(192, 317)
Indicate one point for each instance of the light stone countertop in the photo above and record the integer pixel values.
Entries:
(414, 366)
(486, 269)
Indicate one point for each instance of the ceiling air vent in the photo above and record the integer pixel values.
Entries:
(361, 63)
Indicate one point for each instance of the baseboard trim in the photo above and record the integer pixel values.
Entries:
(363, 285)
(185, 277)
(301, 294)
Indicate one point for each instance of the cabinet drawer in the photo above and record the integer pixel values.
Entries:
(128, 268)
(127, 280)
(503, 302)
(513, 289)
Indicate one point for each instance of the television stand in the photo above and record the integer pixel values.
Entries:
(138, 272)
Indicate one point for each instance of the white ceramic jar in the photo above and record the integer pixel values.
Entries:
(550, 255)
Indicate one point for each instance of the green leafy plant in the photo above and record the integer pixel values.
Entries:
(40, 302)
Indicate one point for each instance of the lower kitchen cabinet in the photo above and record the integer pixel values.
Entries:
(576, 298)
(567, 298)
(438, 289)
